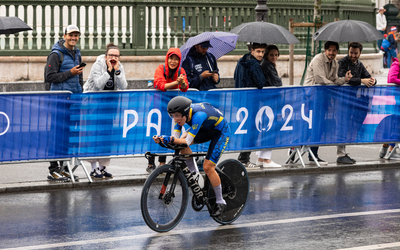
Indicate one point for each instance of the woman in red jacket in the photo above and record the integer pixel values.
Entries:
(171, 75)
(168, 76)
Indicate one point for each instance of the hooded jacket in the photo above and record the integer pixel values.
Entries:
(60, 76)
(248, 73)
(161, 77)
(99, 76)
(394, 72)
(195, 64)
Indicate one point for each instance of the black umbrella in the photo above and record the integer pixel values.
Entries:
(12, 24)
(348, 31)
(264, 32)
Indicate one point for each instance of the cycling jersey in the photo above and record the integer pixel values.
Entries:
(206, 124)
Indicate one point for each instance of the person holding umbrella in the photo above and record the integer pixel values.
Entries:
(323, 69)
(201, 67)
(249, 73)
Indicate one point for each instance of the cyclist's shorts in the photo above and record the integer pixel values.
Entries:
(219, 140)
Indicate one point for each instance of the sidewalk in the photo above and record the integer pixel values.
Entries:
(23, 177)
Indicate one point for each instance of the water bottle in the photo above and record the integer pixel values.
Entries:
(199, 178)
(149, 84)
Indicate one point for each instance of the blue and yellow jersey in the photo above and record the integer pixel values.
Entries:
(202, 116)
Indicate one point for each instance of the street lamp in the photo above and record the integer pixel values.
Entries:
(261, 11)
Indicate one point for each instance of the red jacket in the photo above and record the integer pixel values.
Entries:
(394, 72)
(160, 79)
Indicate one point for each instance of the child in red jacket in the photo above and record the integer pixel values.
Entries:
(168, 76)
(171, 75)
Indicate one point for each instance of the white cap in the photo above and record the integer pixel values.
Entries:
(71, 29)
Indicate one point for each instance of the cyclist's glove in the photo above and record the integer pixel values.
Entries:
(167, 139)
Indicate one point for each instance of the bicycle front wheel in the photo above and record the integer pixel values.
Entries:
(163, 204)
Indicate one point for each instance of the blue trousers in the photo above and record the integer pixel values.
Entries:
(380, 41)
(390, 53)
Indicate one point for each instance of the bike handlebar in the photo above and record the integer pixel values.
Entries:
(173, 146)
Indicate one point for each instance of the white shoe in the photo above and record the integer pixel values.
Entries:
(271, 165)
(259, 164)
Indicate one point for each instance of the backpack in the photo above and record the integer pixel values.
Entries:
(46, 67)
(385, 45)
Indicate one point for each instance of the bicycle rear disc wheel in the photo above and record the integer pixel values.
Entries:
(162, 212)
(235, 202)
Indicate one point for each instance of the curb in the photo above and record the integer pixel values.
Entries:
(138, 179)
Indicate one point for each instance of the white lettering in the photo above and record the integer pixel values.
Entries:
(133, 124)
(285, 127)
(239, 130)
(8, 123)
(307, 119)
(154, 125)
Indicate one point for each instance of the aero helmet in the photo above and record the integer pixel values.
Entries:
(179, 104)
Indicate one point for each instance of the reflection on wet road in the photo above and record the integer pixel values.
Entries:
(319, 211)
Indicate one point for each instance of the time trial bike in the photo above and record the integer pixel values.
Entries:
(165, 194)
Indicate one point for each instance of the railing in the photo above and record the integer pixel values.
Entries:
(151, 27)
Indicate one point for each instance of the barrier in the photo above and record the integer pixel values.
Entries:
(52, 125)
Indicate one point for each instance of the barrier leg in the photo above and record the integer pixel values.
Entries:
(394, 148)
(313, 156)
(292, 154)
(299, 154)
(300, 157)
(85, 170)
(69, 163)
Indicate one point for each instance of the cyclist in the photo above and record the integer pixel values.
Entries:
(206, 124)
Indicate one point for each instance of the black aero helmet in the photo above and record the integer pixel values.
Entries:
(179, 104)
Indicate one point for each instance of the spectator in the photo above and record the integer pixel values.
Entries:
(107, 73)
(168, 76)
(323, 69)
(269, 67)
(171, 75)
(393, 77)
(391, 52)
(249, 73)
(64, 74)
(381, 24)
(359, 76)
(358, 71)
(201, 67)
(272, 78)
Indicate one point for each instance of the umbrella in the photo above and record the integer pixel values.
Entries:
(264, 32)
(222, 43)
(348, 31)
(12, 24)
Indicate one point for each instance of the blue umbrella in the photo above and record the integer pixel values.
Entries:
(222, 43)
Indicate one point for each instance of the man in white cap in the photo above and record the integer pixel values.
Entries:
(381, 24)
(63, 71)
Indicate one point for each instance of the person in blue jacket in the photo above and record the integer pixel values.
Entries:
(64, 73)
(201, 67)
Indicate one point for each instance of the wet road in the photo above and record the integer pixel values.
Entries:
(327, 211)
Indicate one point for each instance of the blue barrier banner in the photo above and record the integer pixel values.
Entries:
(49, 126)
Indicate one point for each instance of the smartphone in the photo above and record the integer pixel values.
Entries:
(82, 65)
(214, 71)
